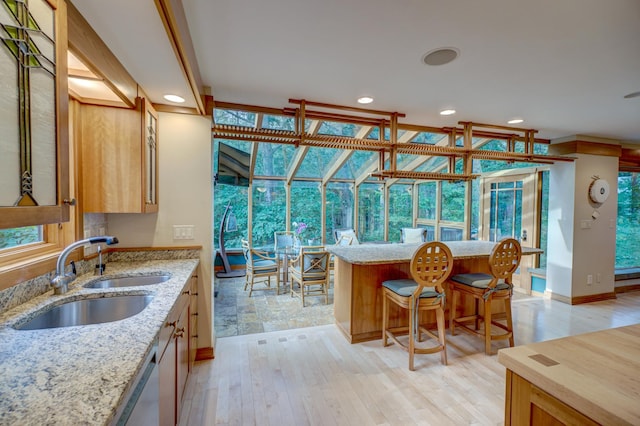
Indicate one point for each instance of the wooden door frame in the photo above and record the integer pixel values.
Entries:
(531, 203)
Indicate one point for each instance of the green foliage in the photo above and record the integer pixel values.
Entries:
(627, 241)
(400, 210)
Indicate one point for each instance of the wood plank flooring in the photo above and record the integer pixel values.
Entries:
(312, 376)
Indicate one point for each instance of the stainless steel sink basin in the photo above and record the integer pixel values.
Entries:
(130, 281)
(89, 311)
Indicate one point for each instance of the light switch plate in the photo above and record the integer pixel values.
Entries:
(183, 232)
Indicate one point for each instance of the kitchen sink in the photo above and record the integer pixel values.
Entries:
(88, 311)
(130, 281)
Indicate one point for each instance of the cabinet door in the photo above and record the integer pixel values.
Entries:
(111, 160)
(193, 325)
(182, 360)
(167, 381)
(526, 404)
(34, 140)
(119, 152)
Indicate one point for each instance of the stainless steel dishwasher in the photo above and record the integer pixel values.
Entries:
(142, 407)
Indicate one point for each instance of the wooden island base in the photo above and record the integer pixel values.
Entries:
(361, 269)
(358, 297)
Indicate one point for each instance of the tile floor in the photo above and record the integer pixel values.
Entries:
(235, 313)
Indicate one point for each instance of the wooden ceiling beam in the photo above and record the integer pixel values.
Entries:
(175, 23)
(89, 48)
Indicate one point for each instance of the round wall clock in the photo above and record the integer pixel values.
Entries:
(599, 191)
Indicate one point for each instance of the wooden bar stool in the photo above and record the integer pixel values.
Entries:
(484, 288)
(430, 266)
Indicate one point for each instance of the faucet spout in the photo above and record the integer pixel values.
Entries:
(60, 282)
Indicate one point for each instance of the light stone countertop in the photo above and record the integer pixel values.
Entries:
(363, 254)
(80, 375)
(595, 373)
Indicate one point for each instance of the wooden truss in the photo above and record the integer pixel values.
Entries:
(388, 149)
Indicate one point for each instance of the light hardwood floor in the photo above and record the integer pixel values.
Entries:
(312, 376)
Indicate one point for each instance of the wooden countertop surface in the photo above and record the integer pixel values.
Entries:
(397, 252)
(596, 373)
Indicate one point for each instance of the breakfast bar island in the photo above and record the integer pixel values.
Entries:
(361, 269)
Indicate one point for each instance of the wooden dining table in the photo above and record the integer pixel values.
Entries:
(360, 270)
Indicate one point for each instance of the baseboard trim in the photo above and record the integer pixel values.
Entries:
(627, 288)
(579, 300)
(593, 298)
(204, 353)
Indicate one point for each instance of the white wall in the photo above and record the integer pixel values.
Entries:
(185, 198)
(580, 245)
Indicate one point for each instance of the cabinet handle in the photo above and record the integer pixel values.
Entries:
(194, 294)
(195, 314)
(171, 324)
(186, 292)
(179, 332)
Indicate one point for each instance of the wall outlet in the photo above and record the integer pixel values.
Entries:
(589, 279)
(183, 232)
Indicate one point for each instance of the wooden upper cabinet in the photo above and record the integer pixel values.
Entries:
(119, 158)
(34, 156)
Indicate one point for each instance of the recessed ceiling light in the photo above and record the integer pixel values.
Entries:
(174, 98)
(632, 95)
(440, 56)
(365, 100)
(447, 112)
(516, 121)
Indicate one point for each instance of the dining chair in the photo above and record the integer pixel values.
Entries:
(309, 273)
(413, 235)
(260, 265)
(485, 288)
(348, 232)
(430, 267)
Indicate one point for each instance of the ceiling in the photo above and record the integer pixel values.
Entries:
(562, 66)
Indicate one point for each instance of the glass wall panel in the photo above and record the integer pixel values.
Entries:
(450, 234)
(427, 200)
(339, 208)
(431, 232)
(400, 210)
(628, 222)
(235, 118)
(354, 164)
(315, 162)
(273, 160)
(452, 201)
(429, 138)
(278, 122)
(506, 210)
(236, 196)
(371, 212)
(544, 218)
(269, 214)
(339, 129)
(306, 211)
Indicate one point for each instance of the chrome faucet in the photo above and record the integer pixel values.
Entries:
(60, 282)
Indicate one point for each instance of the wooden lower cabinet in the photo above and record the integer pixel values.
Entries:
(527, 404)
(175, 348)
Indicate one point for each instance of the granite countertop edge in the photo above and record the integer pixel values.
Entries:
(363, 254)
(81, 374)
